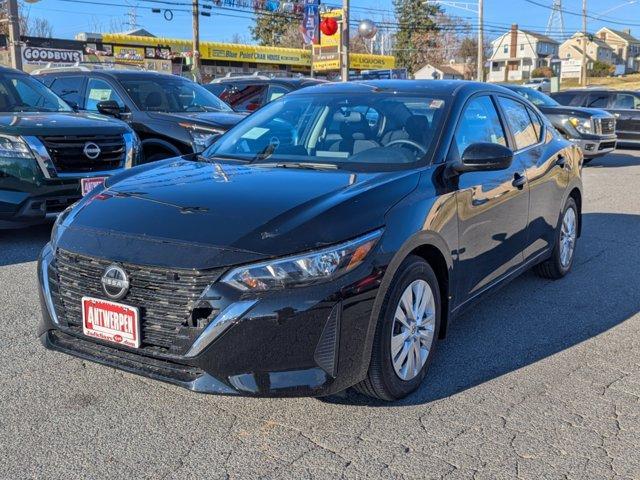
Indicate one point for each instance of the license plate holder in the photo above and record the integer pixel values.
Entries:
(111, 321)
(88, 184)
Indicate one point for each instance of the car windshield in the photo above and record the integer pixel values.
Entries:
(171, 94)
(539, 99)
(349, 130)
(22, 93)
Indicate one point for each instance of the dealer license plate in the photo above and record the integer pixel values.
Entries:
(111, 321)
(88, 184)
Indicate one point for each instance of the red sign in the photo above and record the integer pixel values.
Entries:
(110, 321)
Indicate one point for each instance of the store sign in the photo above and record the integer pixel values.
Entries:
(43, 56)
(255, 54)
(133, 55)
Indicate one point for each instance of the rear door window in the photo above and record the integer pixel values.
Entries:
(626, 101)
(537, 123)
(69, 89)
(276, 91)
(520, 123)
(245, 97)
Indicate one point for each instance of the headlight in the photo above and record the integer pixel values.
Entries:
(14, 147)
(583, 125)
(305, 269)
(133, 147)
(201, 136)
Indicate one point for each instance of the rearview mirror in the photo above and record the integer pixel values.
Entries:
(483, 156)
(109, 107)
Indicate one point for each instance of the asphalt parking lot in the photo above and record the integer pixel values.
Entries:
(540, 381)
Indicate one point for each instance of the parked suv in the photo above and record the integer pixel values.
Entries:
(50, 155)
(623, 104)
(249, 93)
(592, 129)
(171, 115)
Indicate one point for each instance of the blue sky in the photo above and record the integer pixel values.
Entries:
(68, 18)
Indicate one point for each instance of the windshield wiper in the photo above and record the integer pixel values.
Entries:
(301, 165)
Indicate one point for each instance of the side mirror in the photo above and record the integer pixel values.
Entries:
(479, 157)
(109, 107)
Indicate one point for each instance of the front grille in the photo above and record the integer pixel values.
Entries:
(170, 315)
(67, 152)
(604, 126)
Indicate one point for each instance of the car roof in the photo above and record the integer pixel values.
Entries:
(293, 82)
(438, 87)
(116, 73)
(4, 70)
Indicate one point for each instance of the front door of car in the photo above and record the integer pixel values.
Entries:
(493, 206)
(546, 171)
(626, 108)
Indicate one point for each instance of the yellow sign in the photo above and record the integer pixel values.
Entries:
(133, 55)
(231, 52)
(331, 40)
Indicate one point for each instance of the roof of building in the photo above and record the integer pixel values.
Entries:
(623, 35)
(539, 36)
(591, 38)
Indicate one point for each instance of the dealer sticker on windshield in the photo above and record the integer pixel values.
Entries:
(111, 322)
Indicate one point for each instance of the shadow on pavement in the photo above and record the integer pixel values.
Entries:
(619, 158)
(533, 318)
(23, 245)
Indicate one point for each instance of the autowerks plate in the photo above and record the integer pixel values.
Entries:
(111, 321)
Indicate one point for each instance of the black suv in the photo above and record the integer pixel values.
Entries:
(50, 155)
(247, 94)
(171, 115)
(623, 104)
(592, 129)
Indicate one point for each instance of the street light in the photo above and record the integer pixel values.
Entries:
(473, 7)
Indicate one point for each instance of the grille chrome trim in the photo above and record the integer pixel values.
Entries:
(67, 153)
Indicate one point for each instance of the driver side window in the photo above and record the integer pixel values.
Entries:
(100, 91)
(479, 123)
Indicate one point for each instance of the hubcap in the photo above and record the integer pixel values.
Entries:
(568, 234)
(413, 329)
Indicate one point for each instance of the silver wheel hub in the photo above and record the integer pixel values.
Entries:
(413, 330)
(568, 234)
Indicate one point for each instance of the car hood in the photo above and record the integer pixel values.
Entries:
(190, 214)
(59, 123)
(224, 120)
(574, 111)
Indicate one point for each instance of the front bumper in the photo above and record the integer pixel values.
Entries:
(593, 146)
(309, 341)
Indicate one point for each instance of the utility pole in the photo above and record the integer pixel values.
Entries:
(583, 66)
(344, 42)
(480, 41)
(14, 34)
(195, 67)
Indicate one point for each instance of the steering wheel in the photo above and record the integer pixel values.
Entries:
(408, 142)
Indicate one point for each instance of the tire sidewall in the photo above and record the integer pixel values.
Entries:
(570, 203)
(414, 268)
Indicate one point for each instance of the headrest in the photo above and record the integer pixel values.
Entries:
(417, 126)
(352, 126)
(153, 100)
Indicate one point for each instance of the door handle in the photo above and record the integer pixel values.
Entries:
(561, 161)
(519, 180)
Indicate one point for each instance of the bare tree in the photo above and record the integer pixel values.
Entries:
(29, 26)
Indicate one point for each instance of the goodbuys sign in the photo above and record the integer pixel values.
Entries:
(43, 56)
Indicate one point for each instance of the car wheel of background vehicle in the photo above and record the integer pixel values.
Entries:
(586, 160)
(564, 249)
(154, 157)
(406, 333)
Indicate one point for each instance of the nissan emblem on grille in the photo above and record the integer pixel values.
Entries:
(115, 282)
(91, 150)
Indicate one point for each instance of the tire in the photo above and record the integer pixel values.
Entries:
(383, 381)
(154, 157)
(557, 267)
(585, 161)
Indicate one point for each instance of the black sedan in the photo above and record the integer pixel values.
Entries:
(326, 241)
(624, 105)
(592, 129)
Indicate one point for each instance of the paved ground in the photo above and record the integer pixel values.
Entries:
(541, 381)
